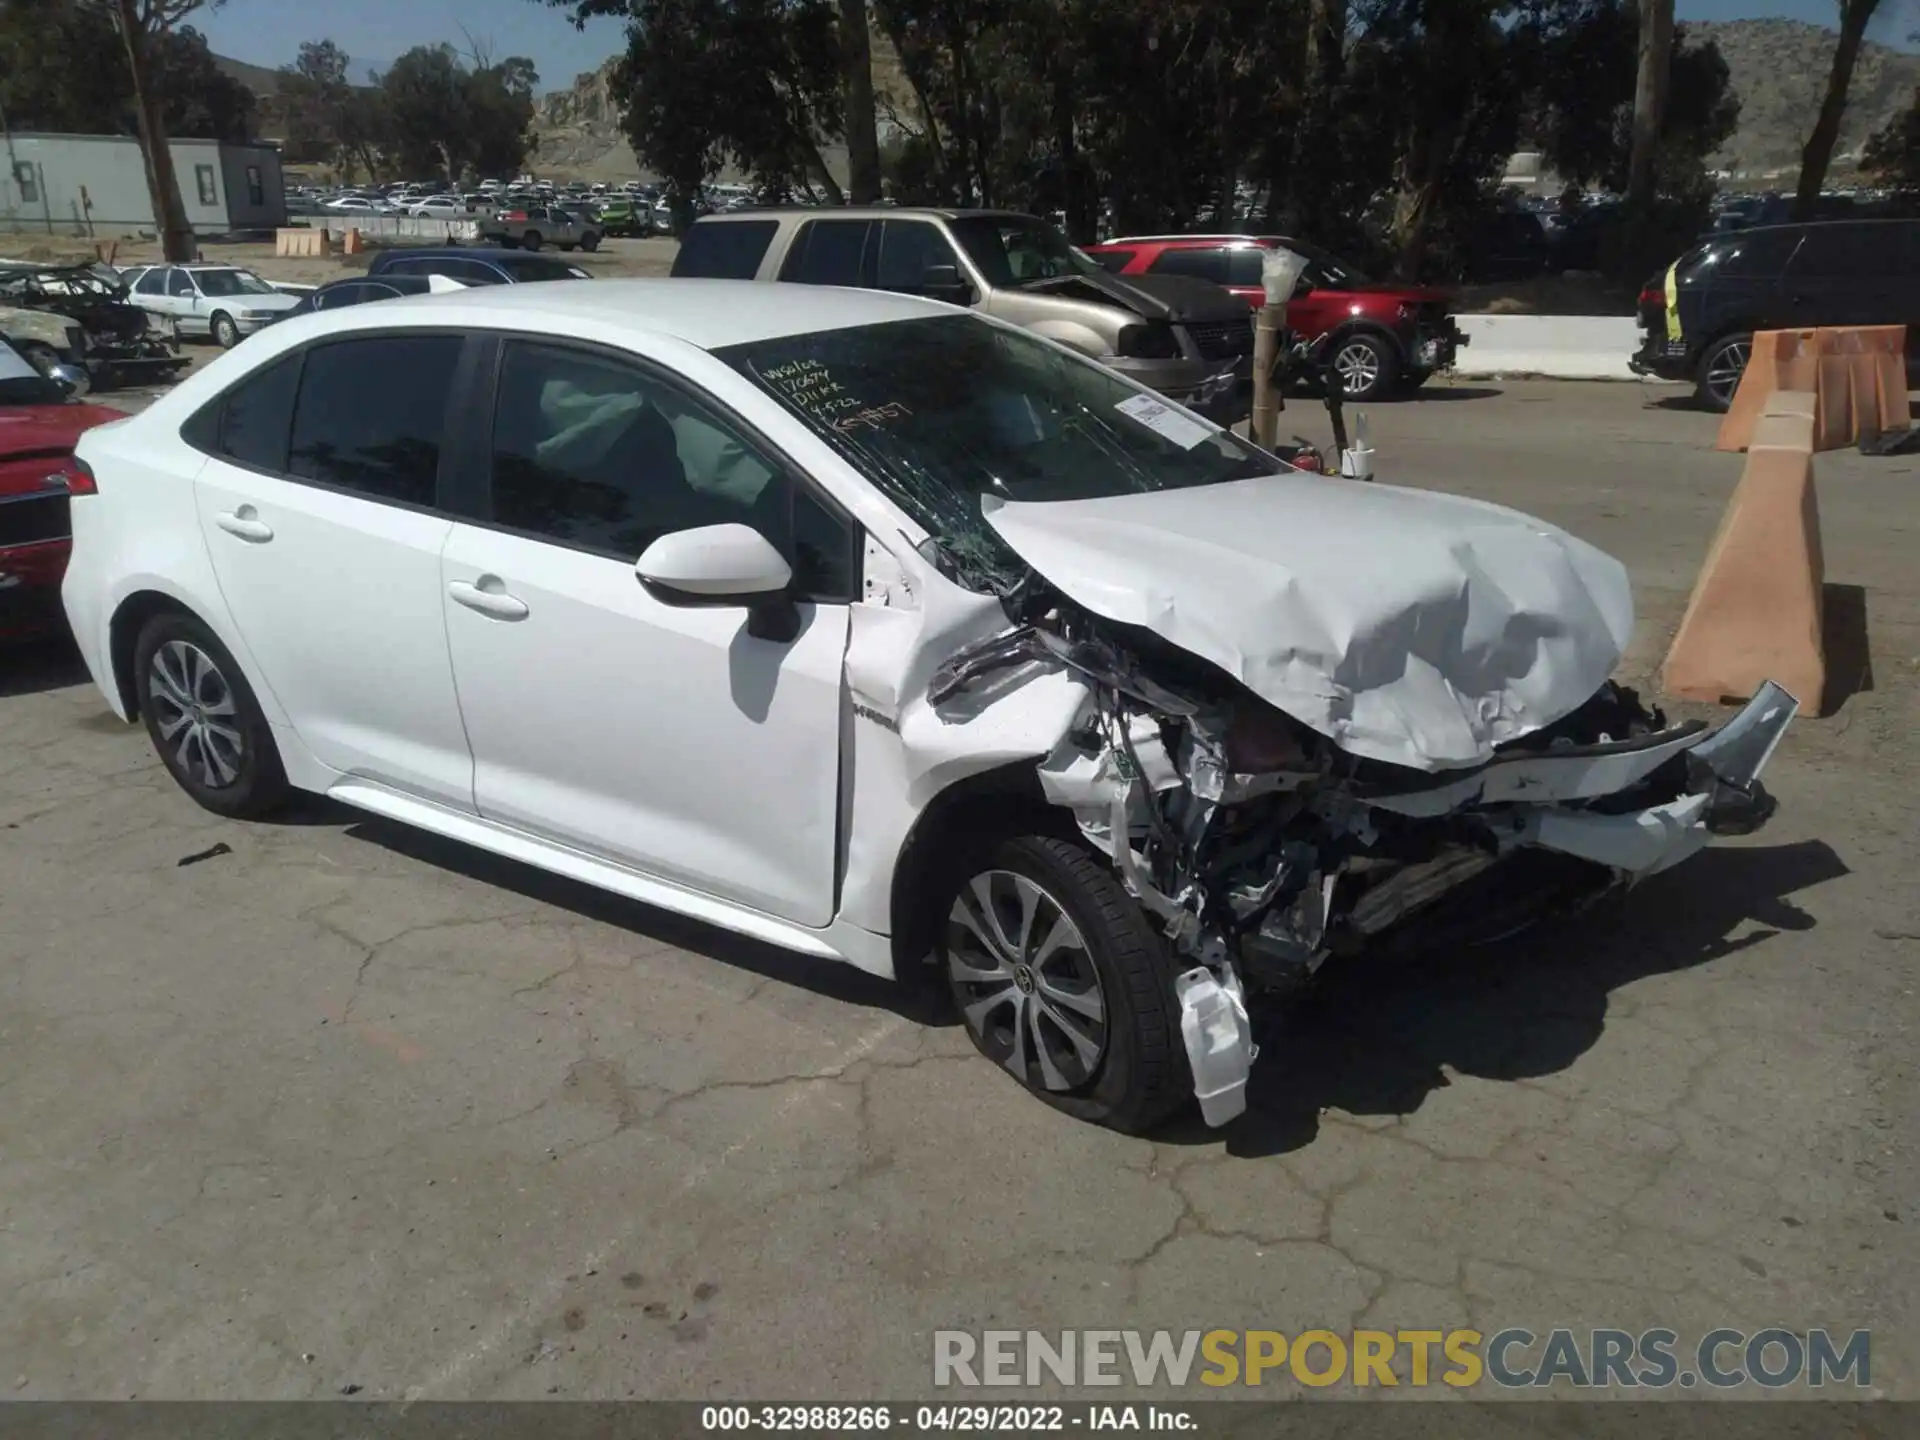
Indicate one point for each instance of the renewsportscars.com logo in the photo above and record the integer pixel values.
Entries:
(1511, 1359)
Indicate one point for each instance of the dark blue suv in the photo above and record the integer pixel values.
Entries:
(475, 266)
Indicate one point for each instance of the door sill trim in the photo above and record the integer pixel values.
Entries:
(839, 941)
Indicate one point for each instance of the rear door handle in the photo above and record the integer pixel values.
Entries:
(489, 596)
(246, 523)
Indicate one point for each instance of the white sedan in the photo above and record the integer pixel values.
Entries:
(220, 301)
(885, 632)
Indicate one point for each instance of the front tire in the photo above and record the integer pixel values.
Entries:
(1061, 982)
(590, 243)
(203, 719)
(226, 334)
(1721, 366)
(1365, 368)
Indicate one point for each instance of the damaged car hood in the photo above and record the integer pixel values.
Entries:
(1407, 626)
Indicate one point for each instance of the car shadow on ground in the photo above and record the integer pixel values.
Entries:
(1432, 391)
(1376, 1037)
(920, 1002)
(32, 666)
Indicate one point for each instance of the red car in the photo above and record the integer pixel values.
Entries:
(38, 428)
(1381, 339)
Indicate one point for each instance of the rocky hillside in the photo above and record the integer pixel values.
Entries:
(1779, 68)
(577, 130)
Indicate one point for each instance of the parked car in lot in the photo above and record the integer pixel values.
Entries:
(1379, 338)
(473, 266)
(888, 633)
(39, 423)
(624, 217)
(80, 316)
(361, 289)
(224, 302)
(1698, 318)
(1183, 337)
(531, 226)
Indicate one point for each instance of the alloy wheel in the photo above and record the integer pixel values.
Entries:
(195, 714)
(1358, 368)
(1724, 370)
(1027, 985)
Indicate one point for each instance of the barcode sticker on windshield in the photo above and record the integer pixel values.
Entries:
(1163, 419)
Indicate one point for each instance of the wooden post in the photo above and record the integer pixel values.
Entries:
(1268, 322)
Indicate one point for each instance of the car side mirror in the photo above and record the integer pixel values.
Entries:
(730, 564)
(945, 282)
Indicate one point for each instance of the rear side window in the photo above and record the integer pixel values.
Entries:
(1760, 256)
(827, 252)
(731, 250)
(1851, 251)
(1243, 265)
(1202, 263)
(1113, 261)
(371, 414)
(256, 417)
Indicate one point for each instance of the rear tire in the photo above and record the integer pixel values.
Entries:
(1060, 981)
(1722, 364)
(203, 719)
(530, 240)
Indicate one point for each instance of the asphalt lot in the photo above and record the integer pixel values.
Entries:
(346, 1105)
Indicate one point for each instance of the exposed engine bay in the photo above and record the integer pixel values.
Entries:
(1262, 848)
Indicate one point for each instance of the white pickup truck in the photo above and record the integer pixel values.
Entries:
(531, 226)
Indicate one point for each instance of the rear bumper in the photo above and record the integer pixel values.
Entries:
(1661, 359)
(1436, 347)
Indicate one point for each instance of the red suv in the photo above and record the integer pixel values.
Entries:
(1381, 339)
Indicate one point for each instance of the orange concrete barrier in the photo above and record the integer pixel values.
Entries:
(1755, 612)
(1772, 351)
(1856, 372)
(352, 245)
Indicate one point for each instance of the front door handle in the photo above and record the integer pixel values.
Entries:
(246, 523)
(489, 596)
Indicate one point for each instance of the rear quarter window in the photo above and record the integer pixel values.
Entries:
(731, 250)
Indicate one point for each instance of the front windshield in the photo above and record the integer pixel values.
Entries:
(1018, 250)
(942, 412)
(231, 282)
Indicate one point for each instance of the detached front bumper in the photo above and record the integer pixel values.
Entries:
(1436, 347)
(1718, 778)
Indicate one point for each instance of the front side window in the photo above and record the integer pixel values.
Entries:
(596, 453)
(827, 252)
(908, 249)
(939, 413)
(371, 414)
(232, 282)
(203, 177)
(1019, 250)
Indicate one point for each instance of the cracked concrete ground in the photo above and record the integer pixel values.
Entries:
(348, 1105)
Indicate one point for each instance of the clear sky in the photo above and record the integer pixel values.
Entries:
(373, 32)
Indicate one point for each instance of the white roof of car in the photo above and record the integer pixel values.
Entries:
(706, 313)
